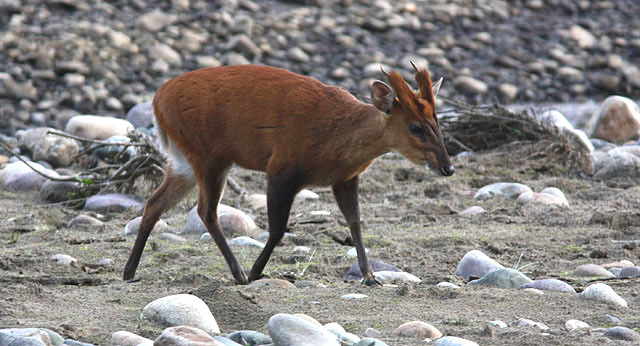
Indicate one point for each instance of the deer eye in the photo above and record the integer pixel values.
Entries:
(416, 130)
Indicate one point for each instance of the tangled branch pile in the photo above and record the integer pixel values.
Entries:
(523, 135)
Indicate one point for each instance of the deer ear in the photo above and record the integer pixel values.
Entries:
(436, 87)
(382, 96)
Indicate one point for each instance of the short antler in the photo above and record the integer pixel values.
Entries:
(424, 83)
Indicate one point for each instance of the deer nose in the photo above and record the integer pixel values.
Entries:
(447, 170)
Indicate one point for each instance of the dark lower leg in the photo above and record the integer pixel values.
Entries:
(281, 191)
(346, 195)
(170, 192)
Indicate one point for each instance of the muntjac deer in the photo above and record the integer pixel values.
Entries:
(297, 130)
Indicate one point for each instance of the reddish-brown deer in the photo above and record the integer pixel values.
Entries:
(297, 130)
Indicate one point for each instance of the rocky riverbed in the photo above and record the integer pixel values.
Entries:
(511, 250)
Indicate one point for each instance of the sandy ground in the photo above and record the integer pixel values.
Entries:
(410, 219)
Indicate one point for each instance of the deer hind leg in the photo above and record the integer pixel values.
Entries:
(211, 190)
(175, 185)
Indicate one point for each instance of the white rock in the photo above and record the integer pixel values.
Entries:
(557, 119)
(603, 293)
(470, 85)
(354, 253)
(540, 199)
(592, 270)
(506, 190)
(156, 20)
(391, 276)
(447, 285)
(300, 249)
(474, 210)
(57, 150)
(305, 194)
(476, 263)
(554, 191)
(245, 241)
(18, 167)
(582, 36)
(181, 309)
(524, 322)
(617, 162)
(63, 259)
(233, 222)
(257, 201)
(498, 323)
(454, 341)
(354, 296)
(97, 127)
(25, 336)
(291, 330)
(576, 324)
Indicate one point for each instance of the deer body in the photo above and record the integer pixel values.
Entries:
(297, 130)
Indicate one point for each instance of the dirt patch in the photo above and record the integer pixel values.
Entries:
(410, 220)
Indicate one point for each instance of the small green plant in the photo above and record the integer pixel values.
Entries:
(517, 264)
(13, 238)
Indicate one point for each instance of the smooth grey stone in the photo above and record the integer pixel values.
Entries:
(603, 293)
(24, 337)
(71, 342)
(249, 337)
(370, 342)
(630, 272)
(59, 191)
(622, 333)
(290, 330)
(550, 285)
(503, 278)
(614, 319)
(476, 264)
(28, 181)
(57, 150)
(141, 115)
(181, 310)
(115, 153)
(112, 202)
(354, 272)
(454, 341)
(227, 341)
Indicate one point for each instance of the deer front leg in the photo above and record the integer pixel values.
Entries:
(346, 195)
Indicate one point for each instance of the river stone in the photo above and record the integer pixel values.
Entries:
(370, 342)
(616, 120)
(393, 276)
(279, 283)
(249, 337)
(289, 330)
(549, 285)
(181, 309)
(112, 202)
(115, 153)
(502, 278)
(617, 264)
(354, 272)
(310, 319)
(557, 119)
(85, 220)
(233, 222)
(28, 181)
(352, 296)
(629, 272)
(63, 259)
(576, 324)
(18, 167)
(474, 210)
(470, 85)
(603, 293)
(57, 150)
(97, 127)
(305, 194)
(476, 264)
(24, 336)
(125, 338)
(185, 336)
(539, 199)
(156, 20)
(447, 285)
(227, 341)
(418, 329)
(141, 115)
(245, 241)
(506, 190)
(622, 333)
(592, 270)
(132, 227)
(554, 191)
(525, 322)
(616, 162)
(59, 191)
(454, 341)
